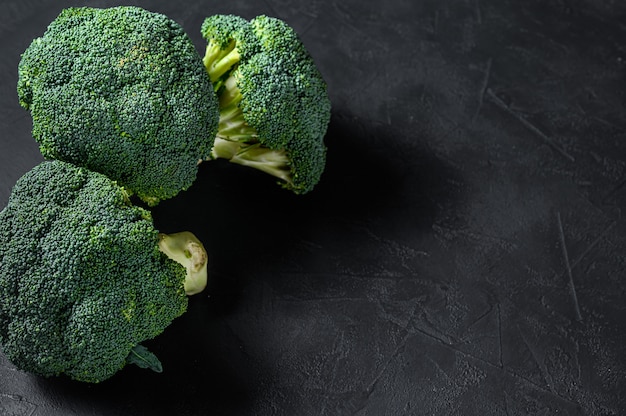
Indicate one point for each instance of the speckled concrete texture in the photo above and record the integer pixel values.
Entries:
(464, 254)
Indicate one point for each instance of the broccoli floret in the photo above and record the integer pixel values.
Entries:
(229, 39)
(83, 281)
(121, 91)
(273, 102)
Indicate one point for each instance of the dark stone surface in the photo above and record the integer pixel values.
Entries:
(465, 253)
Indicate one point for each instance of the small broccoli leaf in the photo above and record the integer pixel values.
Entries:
(141, 357)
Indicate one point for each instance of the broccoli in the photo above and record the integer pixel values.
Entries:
(121, 91)
(185, 248)
(83, 281)
(273, 103)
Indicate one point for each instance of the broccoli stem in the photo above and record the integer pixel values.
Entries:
(230, 95)
(238, 142)
(212, 53)
(271, 161)
(232, 125)
(218, 61)
(185, 249)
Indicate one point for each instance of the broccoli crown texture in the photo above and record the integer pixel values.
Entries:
(82, 280)
(273, 101)
(121, 91)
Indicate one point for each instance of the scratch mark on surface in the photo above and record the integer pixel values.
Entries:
(506, 403)
(372, 386)
(435, 337)
(483, 89)
(549, 141)
(439, 369)
(478, 12)
(536, 358)
(339, 353)
(482, 316)
(15, 403)
(607, 122)
(593, 244)
(550, 391)
(606, 199)
(568, 266)
(500, 354)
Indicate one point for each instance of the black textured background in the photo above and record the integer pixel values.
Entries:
(465, 253)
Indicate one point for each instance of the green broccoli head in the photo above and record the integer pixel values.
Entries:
(82, 279)
(273, 101)
(121, 91)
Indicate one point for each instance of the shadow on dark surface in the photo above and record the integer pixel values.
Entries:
(246, 221)
(375, 171)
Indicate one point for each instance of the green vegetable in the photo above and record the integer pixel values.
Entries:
(186, 249)
(82, 279)
(121, 91)
(143, 358)
(273, 102)
(121, 103)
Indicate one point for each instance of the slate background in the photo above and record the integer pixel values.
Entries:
(465, 253)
